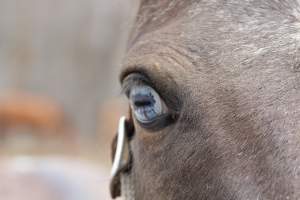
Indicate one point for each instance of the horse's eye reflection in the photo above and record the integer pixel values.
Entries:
(146, 104)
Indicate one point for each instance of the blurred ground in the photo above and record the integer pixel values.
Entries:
(59, 96)
(51, 178)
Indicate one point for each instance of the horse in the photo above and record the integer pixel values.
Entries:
(213, 89)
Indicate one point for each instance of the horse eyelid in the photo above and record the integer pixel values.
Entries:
(134, 80)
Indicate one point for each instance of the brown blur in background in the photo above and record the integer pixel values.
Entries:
(59, 96)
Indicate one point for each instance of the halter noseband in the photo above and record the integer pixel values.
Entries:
(121, 180)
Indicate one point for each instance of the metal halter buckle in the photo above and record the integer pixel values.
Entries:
(122, 152)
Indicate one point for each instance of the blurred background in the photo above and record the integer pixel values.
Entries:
(59, 96)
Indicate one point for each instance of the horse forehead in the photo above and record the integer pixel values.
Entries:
(242, 31)
(155, 15)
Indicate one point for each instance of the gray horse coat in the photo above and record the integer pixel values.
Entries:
(230, 71)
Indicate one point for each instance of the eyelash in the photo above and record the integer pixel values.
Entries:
(134, 80)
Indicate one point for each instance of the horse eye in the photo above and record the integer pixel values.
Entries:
(146, 104)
